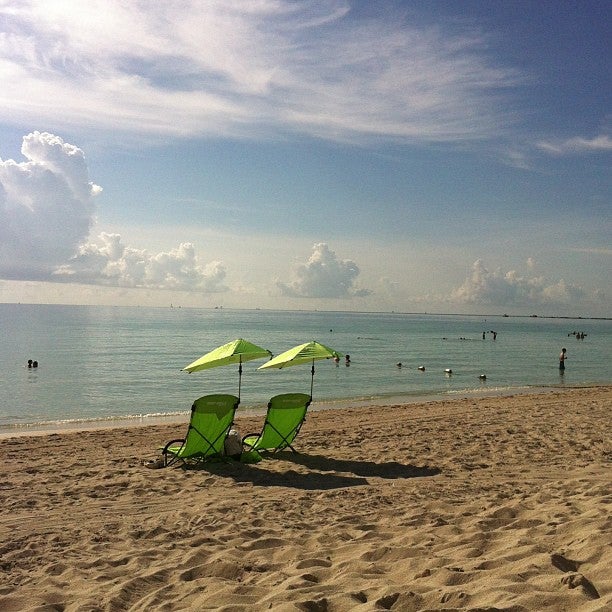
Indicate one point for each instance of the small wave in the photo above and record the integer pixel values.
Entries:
(89, 421)
(489, 390)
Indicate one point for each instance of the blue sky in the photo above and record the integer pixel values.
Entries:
(438, 156)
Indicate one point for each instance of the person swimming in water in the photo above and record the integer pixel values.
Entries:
(562, 358)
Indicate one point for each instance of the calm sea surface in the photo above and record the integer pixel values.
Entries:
(100, 364)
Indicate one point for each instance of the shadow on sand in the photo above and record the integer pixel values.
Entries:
(389, 469)
(323, 473)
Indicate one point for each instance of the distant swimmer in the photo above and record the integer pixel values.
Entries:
(399, 364)
(29, 363)
(562, 358)
(35, 364)
(448, 371)
(483, 377)
(422, 368)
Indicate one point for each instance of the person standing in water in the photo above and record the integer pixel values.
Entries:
(562, 358)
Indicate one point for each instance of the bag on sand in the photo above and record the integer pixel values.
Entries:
(233, 444)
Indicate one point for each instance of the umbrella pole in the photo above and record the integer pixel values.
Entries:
(239, 376)
(311, 378)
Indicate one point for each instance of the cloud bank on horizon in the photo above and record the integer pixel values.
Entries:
(46, 212)
(499, 288)
(47, 209)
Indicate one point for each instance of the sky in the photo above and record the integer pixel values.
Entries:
(406, 156)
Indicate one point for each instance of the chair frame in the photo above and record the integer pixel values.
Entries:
(209, 450)
(286, 439)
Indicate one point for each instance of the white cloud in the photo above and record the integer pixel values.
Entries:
(324, 276)
(46, 212)
(112, 263)
(46, 206)
(510, 289)
(577, 145)
(192, 68)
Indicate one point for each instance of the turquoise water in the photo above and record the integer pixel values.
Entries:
(105, 363)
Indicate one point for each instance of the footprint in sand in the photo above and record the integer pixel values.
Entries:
(578, 580)
(308, 563)
(361, 597)
(315, 605)
(574, 579)
(563, 563)
(386, 602)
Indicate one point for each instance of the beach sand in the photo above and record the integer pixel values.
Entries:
(494, 503)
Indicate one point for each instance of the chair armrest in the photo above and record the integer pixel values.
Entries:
(169, 444)
(165, 451)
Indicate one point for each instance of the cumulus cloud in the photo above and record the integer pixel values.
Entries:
(324, 276)
(499, 288)
(112, 263)
(46, 206)
(190, 68)
(46, 213)
(600, 143)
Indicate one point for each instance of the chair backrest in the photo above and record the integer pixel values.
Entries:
(211, 418)
(285, 416)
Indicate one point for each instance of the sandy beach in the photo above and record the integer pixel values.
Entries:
(494, 503)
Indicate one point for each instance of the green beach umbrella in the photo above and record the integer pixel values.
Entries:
(237, 351)
(304, 353)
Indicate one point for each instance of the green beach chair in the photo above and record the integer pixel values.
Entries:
(211, 418)
(285, 416)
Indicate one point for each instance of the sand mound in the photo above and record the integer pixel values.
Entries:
(475, 504)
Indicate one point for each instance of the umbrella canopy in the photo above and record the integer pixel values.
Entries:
(237, 351)
(304, 353)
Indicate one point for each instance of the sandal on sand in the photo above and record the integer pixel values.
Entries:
(154, 464)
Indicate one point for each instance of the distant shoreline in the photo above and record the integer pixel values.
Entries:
(368, 312)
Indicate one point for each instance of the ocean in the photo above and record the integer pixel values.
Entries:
(104, 365)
